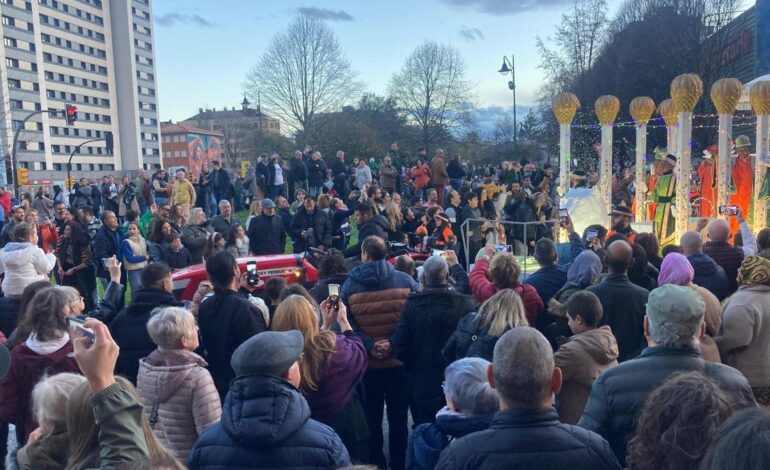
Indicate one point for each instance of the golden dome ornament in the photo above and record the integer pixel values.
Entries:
(686, 90)
(666, 111)
(725, 94)
(641, 109)
(607, 108)
(760, 98)
(564, 107)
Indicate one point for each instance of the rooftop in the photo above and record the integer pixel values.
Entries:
(171, 128)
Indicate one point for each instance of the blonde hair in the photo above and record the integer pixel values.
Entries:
(192, 219)
(501, 312)
(324, 201)
(296, 313)
(255, 208)
(395, 218)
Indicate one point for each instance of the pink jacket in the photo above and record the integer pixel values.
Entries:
(483, 289)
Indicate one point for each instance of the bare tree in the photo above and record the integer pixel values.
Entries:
(431, 88)
(303, 73)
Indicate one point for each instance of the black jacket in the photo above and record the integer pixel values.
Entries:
(297, 170)
(221, 225)
(624, 304)
(267, 235)
(226, 320)
(106, 245)
(320, 290)
(129, 329)
(427, 321)
(455, 170)
(316, 172)
(728, 257)
(194, 238)
(321, 224)
(340, 175)
(266, 424)
(176, 259)
(529, 439)
(378, 225)
(710, 275)
(619, 393)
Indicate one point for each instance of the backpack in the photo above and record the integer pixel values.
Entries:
(472, 342)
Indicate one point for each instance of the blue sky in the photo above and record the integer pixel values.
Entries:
(205, 48)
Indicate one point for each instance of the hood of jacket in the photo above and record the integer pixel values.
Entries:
(164, 372)
(16, 253)
(586, 269)
(377, 219)
(146, 299)
(457, 425)
(599, 343)
(703, 264)
(372, 273)
(262, 411)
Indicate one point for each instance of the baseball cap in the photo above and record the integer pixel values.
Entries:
(677, 309)
(268, 353)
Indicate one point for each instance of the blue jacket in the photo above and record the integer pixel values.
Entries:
(548, 280)
(710, 275)
(266, 424)
(428, 440)
(529, 439)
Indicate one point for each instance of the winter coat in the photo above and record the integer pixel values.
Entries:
(710, 275)
(548, 280)
(428, 319)
(82, 197)
(267, 235)
(266, 424)
(297, 170)
(106, 245)
(581, 359)
(438, 173)
(624, 306)
(316, 172)
(483, 289)
(469, 340)
(420, 176)
(455, 170)
(240, 248)
(321, 224)
(194, 238)
(23, 264)
(176, 259)
(30, 361)
(427, 440)
(388, 176)
(375, 294)
(745, 339)
(250, 183)
(129, 329)
(50, 452)
(179, 398)
(619, 393)
(378, 225)
(363, 176)
(729, 258)
(226, 320)
(529, 439)
(221, 224)
(182, 192)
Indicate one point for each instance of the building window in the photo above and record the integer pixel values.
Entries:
(8, 21)
(16, 104)
(13, 83)
(13, 63)
(10, 42)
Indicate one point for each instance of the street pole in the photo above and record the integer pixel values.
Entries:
(76, 150)
(513, 82)
(14, 162)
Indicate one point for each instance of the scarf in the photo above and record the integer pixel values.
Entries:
(755, 270)
(676, 269)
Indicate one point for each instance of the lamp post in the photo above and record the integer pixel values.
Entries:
(509, 66)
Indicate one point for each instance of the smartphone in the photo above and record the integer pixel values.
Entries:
(105, 262)
(563, 215)
(77, 324)
(728, 210)
(435, 252)
(334, 295)
(592, 234)
(251, 273)
(503, 249)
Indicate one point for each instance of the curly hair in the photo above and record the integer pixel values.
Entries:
(504, 270)
(678, 423)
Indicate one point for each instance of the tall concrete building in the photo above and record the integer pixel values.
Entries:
(97, 55)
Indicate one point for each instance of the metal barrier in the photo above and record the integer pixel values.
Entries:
(465, 227)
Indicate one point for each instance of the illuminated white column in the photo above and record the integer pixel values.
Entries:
(641, 173)
(605, 167)
(760, 169)
(684, 165)
(723, 160)
(564, 157)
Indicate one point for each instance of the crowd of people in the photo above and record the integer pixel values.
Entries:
(616, 352)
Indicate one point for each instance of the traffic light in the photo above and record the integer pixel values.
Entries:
(22, 174)
(109, 142)
(72, 114)
(70, 182)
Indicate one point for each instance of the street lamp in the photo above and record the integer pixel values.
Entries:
(509, 67)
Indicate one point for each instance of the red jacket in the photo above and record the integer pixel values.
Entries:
(27, 368)
(5, 201)
(483, 289)
(421, 176)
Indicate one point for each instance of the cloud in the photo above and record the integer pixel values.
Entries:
(496, 7)
(470, 34)
(326, 14)
(176, 17)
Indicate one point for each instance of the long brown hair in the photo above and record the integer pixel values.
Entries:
(81, 426)
(296, 313)
(46, 315)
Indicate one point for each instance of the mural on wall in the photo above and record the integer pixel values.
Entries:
(201, 150)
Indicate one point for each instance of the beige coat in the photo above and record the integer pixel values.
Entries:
(179, 398)
(581, 360)
(438, 171)
(713, 319)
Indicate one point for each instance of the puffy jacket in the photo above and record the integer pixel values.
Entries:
(179, 398)
(82, 197)
(129, 329)
(30, 361)
(297, 170)
(267, 235)
(483, 289)
(194, 239)
(321, 224)
(421, 176)
(469, 340)
(183, 192)
(316, 172)
(375, 293)
(428, 320)
(581, 359)
(528, 439)
(23, 264)
(619, 393)
(438, 173)
(729, 258)
(378, 225)
(266, 424)
(427, 440)
(623, 304)
(710, 275)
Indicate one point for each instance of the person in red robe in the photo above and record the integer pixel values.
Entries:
(743, 177)
(707, 174)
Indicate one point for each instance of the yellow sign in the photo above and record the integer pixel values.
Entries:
(22, 175)
(243, 168)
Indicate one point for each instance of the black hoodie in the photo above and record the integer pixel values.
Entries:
(129, 329)
(378, 225)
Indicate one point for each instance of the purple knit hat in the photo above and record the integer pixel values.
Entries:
(675, 269)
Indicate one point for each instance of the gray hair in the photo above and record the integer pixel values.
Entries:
(72, 294)
(50, 395)
(465, 382)
(691, 243)
(523, 368)
(167, 326)
(192, 219)
(434, 271)
(223, 202)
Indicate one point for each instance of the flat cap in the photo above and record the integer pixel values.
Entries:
(678, 309)
(268, 353)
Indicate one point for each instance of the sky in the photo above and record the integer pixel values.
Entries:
(205, 48)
